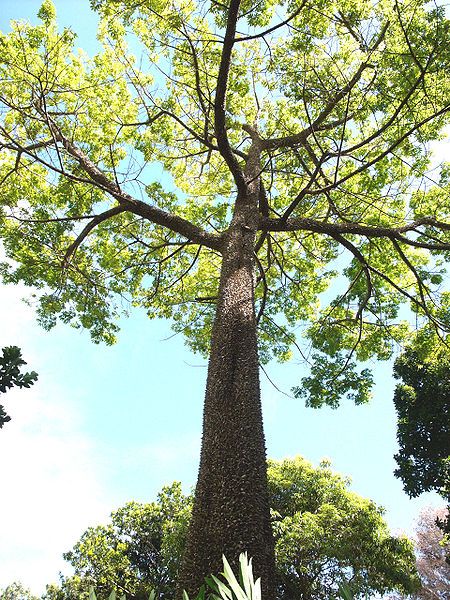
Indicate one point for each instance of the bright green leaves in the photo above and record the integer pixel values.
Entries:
(326, 534)
(47, 12)
(332, 379)
(252, 14)
(184, 287)
(138, 550)
(293, 271)
(345, 97)
(47, 84)
(38, 238)
(363, 49)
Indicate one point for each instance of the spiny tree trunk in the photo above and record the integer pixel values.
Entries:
(231, 510)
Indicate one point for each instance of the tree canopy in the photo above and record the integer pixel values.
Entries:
(16, 591)
(433, 569)
(325, 534)
(422, 402)
(344, 98)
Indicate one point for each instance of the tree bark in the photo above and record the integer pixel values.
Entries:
(231, 510)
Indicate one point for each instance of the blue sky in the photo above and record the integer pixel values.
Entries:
(105, 425)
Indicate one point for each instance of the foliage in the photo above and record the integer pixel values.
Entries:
(422, 402)
(294, 145)
(433, 569)
(16, 591)
(112, 596)
(327, 535)
(341, 108)
(11, 362)
(140, 549)
(318, 524)
(243, 588)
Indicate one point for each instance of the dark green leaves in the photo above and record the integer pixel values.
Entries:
(11, 362)
(422, 402)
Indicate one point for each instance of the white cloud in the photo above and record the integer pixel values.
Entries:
(56, 480)
(50, 489)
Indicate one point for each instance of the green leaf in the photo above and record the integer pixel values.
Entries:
(223, 590)
(345, 592)
(92, 595)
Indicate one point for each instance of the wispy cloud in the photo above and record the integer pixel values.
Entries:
(50, 486)
(50, 489)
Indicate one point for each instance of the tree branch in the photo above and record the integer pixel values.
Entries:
(150, 212)
(219, 101)
(332, 229)
(104, 216)
(364, 266)
(275, 27)
(299, 138)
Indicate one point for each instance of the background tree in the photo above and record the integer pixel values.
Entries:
(294, 143)
(325, 534)
(433, 569)
(422, 402)
(16, 591)
(11, 362)
(431, 564)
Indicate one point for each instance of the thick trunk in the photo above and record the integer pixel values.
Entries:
(231, 509)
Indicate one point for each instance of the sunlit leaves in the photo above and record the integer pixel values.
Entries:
(332, 379)
(326, 534)
(366, 83)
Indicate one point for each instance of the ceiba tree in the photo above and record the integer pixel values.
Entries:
(293, 142)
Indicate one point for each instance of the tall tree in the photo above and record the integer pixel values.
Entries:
(325, 534)
(294, 141)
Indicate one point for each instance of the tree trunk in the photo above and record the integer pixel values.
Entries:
(231, 509)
